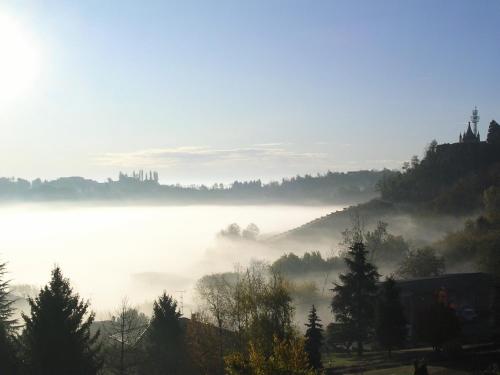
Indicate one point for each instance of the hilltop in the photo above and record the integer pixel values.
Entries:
(425, 200)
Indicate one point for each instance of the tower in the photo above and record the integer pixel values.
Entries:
(474, 119)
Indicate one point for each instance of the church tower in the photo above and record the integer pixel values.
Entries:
(471, 134)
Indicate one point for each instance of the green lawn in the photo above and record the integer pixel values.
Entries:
(397, 364)
(408, 370)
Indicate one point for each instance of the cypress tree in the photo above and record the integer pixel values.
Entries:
(354, 298)
(390, 323)
(314, 339)
(57, 337)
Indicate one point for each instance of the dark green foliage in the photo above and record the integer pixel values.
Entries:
(314, 339)
(478, 242)
(493, 133)
(8, 355)
(6, 302)
(291, 264)
(354, 297)
(9, 361)
(390, 323)
(450, 179)
(56, 337)
(164, 338)
(383, 247)
(438, 323)
(421, 263)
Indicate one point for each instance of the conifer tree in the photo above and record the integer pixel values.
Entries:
(165, 342)
(493, 133)
(57, 337)
(6, 302)
(8, 358)
(354, 297)
(390, 323)
(314, 339)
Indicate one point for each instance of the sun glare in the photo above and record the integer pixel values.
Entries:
(19, 59)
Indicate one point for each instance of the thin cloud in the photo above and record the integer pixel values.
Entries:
(171, 157)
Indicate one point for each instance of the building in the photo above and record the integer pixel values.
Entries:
(475, 297)
(471, 134)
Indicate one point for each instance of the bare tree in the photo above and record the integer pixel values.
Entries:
(125, 332)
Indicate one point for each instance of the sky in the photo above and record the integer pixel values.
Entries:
(212, 91)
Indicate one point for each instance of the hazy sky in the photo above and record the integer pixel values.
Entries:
(214, 90)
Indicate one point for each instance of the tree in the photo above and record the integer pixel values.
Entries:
(354, 297)
(164, 340)
(288, 358)
(421, 263)
(493, 133)
(491, 201)
(217, 293)
(56, 336)
(8, 357)
(251, 232)
(124, 335)
(390, 323)
(233, 231)
(314, 339)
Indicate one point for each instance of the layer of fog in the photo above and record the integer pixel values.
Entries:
(136, 251)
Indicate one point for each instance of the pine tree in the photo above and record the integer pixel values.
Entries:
(390, 323)
(165, 344)
(57, 337)
(6, 302)
(314, 339)
(8, 358)
(354, 298)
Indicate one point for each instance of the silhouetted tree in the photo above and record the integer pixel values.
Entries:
(251, 232)
(421, 263)
(314, 339)
(56, 336)
(354, 298)
(8, 355)
(493, 133)
(164, 340)
(390, 323)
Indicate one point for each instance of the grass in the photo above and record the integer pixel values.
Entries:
(378, 363)
(408, 370)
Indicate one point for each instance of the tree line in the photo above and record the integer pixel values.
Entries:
(331, 187)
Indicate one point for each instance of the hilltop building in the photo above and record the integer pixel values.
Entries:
(139, 176)
(471, 134)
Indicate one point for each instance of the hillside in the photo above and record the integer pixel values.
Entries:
(423, 202)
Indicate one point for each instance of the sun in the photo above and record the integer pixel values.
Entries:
(19, 59)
